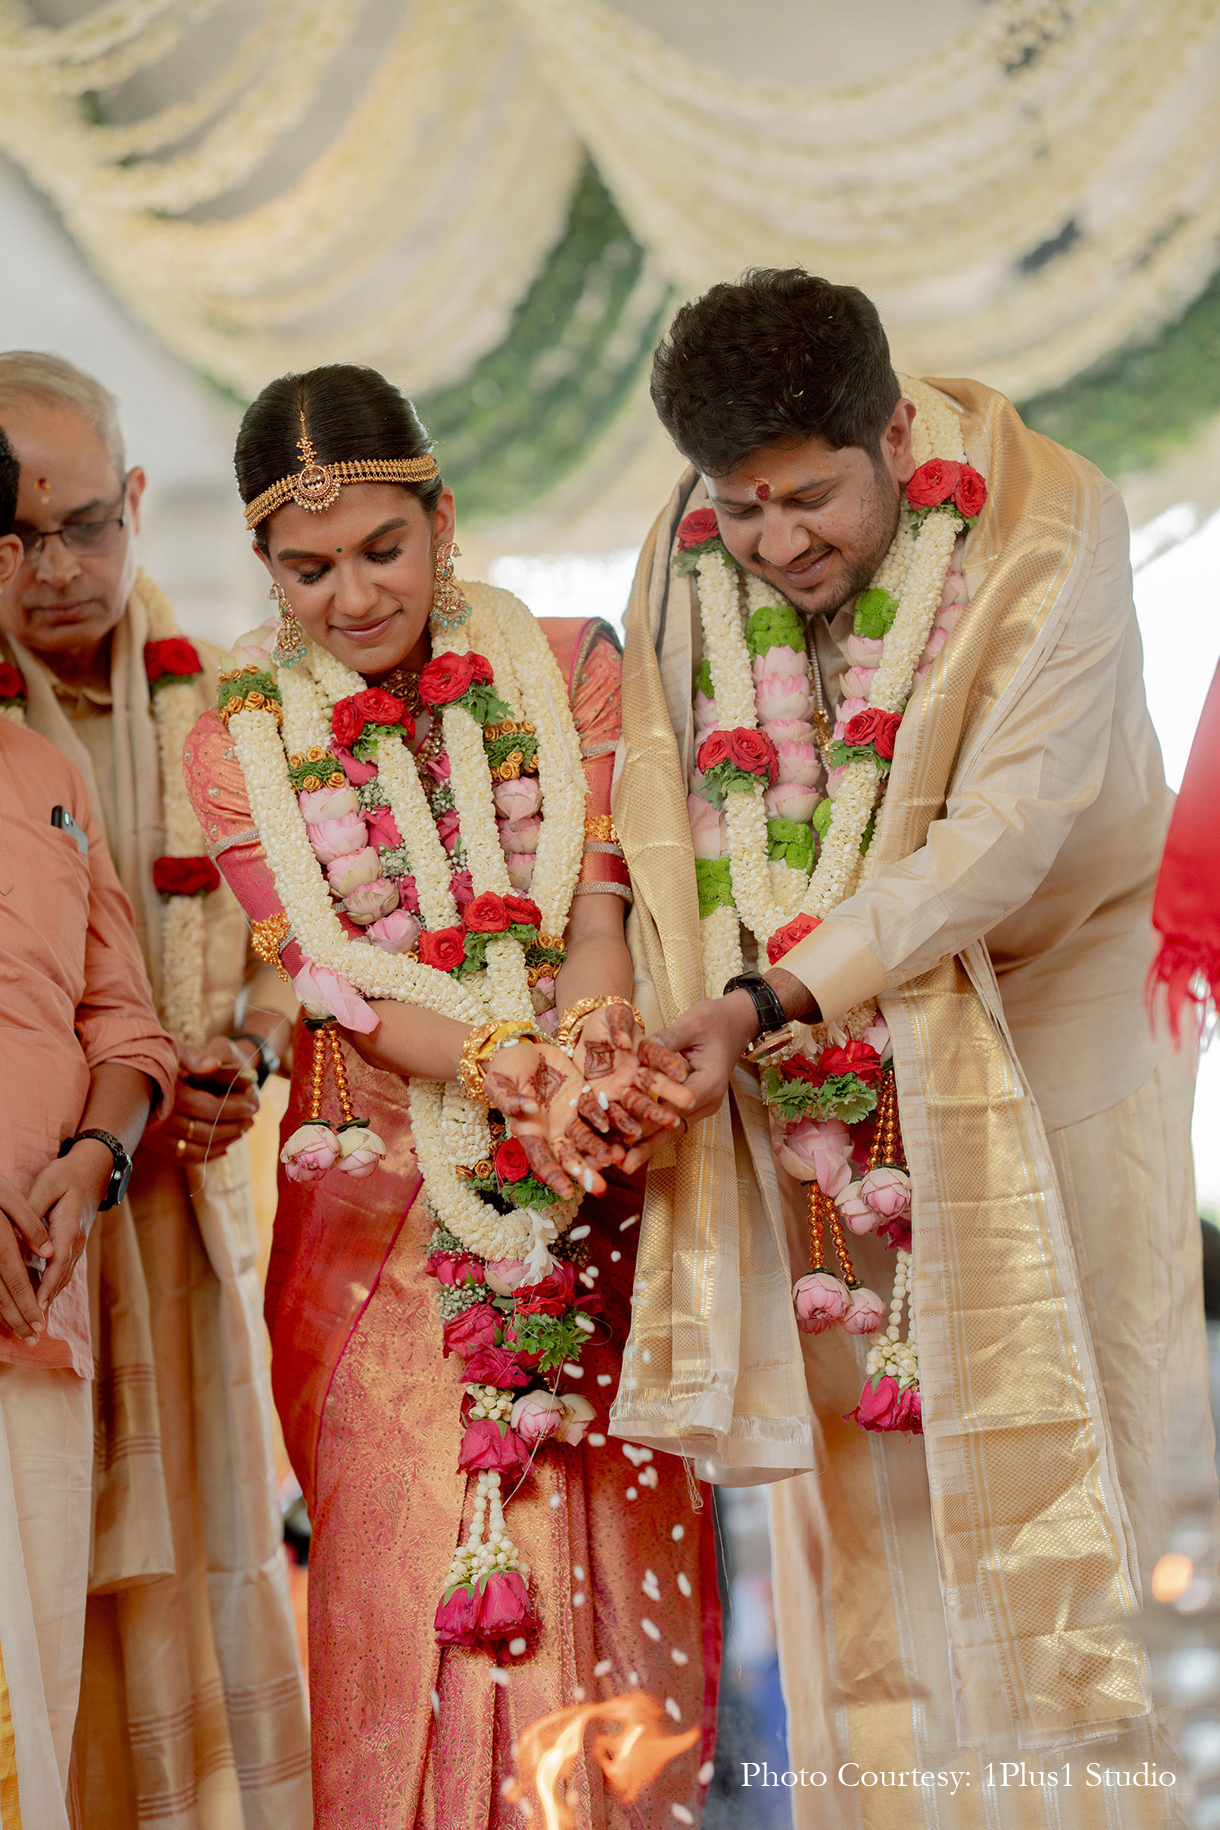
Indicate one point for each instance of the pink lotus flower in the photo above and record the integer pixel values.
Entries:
(789, 730)
(856, 1214)
(777, 697)
(312, 1149)
(519, 835)
(536, 1416)
(324, 993)
(834, 780)
(371, 901)
(520, 868)
(948, 617)
(879, 1403)
(360, 1151)
(820, 1301)
(383, 828)
(327, 804)
(504, 1274)
(858, 681)
(847, 711)
(578, 1414)
(707, 718)
(779, 663)
(394, 933)
(448, 828)
(878, 1037)
(506, 1609)
(708, 830)
(519, 799)
(488, 1444)
(954, 591)
(799, 762)
(864, 650)
(457, 1616)
(865, 1312)
(334, 839)
(791, 801)
(352, 870)
(887, 1192)
(461, 888)
(358, 773)
(819, 1149)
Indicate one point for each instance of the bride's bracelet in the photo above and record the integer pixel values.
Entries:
(567, 1032)
(479, 1047)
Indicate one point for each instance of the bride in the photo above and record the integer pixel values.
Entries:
(407, 784)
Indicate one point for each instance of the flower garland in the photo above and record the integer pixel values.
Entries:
(758, 824)
(12, 692)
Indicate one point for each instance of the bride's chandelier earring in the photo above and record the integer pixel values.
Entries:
(449, 607)
(290, 642)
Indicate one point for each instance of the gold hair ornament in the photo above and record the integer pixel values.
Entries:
(316, 486)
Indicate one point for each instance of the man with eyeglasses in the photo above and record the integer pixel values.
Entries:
(191, 1692)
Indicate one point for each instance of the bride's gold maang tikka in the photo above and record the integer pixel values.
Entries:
(316, 486)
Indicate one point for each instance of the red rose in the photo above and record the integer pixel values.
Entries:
(753, 750)
(856, 1058)
(488, 1444)
(713, 750)
(800, 1067)
(896, 1232)
(511, 1162)
(175, 656)
(497, 1366)
(879, 1405)
(480, 669)
(346, 721)
(486, 914)
(786, 937)
(474, 1327)
(860, 732)
(505, 1609)
(444, 948)
(971, 492)
(554, 1295)
(457, 1616)
(376, 706)
(446, 678)
(697, 527)
(933, 483)
(523, 912)
(887, 733)
(12, 685)
(185, 876)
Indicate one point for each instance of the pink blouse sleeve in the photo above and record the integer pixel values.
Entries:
(597, 708)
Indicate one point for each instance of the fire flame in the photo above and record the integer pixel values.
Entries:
(630, 1756)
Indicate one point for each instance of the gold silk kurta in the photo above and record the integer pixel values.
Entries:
(966, 1596)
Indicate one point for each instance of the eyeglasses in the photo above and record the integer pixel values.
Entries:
(87, 538)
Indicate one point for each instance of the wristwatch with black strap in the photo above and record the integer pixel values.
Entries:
(775, 1031)
(120, 1175)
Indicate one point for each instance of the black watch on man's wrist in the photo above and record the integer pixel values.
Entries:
(766, 1000)
(120, 1175)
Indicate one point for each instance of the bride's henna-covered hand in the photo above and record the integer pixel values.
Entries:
(537, 1088)
(631, 1085)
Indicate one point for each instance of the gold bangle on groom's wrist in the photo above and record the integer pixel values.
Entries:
(573, 1020)
(478, 1049)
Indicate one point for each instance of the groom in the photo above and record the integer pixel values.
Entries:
(941, 1600)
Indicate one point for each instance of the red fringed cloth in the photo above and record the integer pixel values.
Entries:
(1186, 911)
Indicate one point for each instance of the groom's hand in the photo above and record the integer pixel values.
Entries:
(710, 1037)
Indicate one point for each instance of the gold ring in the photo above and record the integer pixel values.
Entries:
(180, 1147)
(190, 1129)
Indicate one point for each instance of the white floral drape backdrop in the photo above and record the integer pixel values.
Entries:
(1033, 193)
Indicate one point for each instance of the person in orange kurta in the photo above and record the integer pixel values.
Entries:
(82, 1061)
(418, 1711)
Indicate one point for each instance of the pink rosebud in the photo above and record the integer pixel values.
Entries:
(383, 828)
(909, 1414)
(394, 933)
(707, 718)
(798, 762)
(519, 835)
(887, 1192)
(878, 1037)
(488, 1444)
(780, 698)
(820, 1301)
(324, 993)
(455, 1268)
(896, 1233)
(578, 1414)
(879, 1403)
(517, 800)
(461, 888)
(789, 730)
(865, 1313)
(819, 1150)
(855, 1213)
(352, 870)
(506, 1610)
(360, 1151)
(536, 1416)
(457, 1616)
(447, 829)
(864, 650)
(955, 590)
(791, 801)
(858, 681)
(520, 867)
(779, 663)
(327, 804)
(438, 767)
(504, 1274)
(708, 829)
(834, 780)
(358, 773)
(371, 901)
(312, 1149)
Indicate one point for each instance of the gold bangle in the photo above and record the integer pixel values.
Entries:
(567, 1033)
(478, 1049)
